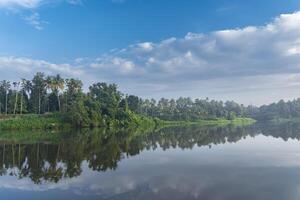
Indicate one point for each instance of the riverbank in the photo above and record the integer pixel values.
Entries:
(285, 120)
(218, 121)
(33, 122)
(59, 122)
(56, 122)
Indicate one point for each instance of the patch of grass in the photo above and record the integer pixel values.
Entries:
(32, 122)
(218, 122)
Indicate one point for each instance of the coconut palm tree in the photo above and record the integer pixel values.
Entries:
(25, 88)
(16, 86)
(60, 85)
(6, 85)
(56, 83)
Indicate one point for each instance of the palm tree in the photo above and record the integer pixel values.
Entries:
(60, 85)
(6, 85)
(49, 86)
(26, 87)
(16, 86)
(74, 86)
(56, 83)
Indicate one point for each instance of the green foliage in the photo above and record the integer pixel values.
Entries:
(102, 105)
(190, 110)
(30, 122)
(276, 111)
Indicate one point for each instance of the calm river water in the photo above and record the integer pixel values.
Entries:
(213, 163)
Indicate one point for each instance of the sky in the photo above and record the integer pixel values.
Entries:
(246, 51)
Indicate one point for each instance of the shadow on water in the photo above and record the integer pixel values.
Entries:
(60, 155)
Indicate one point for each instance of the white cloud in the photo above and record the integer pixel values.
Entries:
(146, 46)
(246, 60)
(35, 21)
(20, 7)
(33, 4)
(18, 67)
(114, 64)
(29, 4)
(241, 54)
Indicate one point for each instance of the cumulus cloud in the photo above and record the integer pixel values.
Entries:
(223, 63)
(18, 67)
(255, 53)
(274, 48)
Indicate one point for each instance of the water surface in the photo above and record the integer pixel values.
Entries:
(254, 162)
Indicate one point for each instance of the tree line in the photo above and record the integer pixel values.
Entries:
(188, 109)
(40, 95)
(281, 109)
(103, 102)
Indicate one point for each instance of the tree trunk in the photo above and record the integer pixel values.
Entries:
(16, 102)
(66, 103)
(6, 95)
(21, 109)
(39, 102)
(58, 100)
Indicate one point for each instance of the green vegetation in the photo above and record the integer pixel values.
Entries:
(217, 122)
(277, 112)
(32, 122)
(51, 102)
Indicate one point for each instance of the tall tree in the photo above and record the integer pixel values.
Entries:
(38, 93)
(108, 96)
(74, 87)
(56, 83)
(6, 86)
(25, 89)
(16, 86)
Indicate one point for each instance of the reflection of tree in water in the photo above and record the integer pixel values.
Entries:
(188, 137)
(284, 131)
(102, 150)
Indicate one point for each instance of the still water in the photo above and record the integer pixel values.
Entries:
(219, 163)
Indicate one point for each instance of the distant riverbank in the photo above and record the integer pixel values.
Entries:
(218, 121)
(56, 121)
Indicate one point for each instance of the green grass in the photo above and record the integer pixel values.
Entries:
(34, 128)
(218, 121)
(56, 122)
(32, 122)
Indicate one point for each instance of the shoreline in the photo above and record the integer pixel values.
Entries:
(56, 122)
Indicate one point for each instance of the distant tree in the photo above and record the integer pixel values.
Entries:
(6, 87)
(16, 86)
(133, 103)
(38, 93)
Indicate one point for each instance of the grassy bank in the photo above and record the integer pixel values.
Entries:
(50, 122)
(32, 122)
(219, 121)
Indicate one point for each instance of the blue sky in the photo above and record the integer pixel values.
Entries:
(241, 50)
